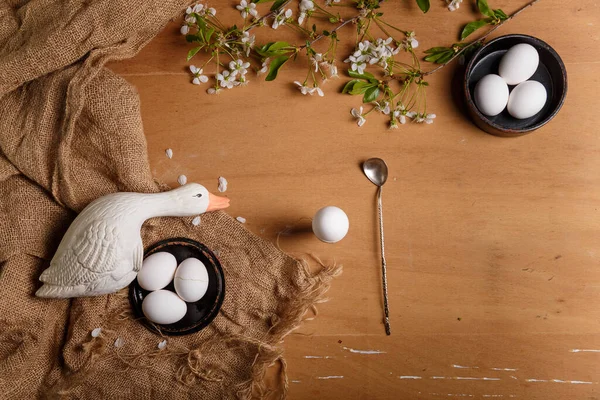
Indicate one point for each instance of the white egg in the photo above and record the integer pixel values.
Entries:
(527, 99)
(330, 224)
(163, 307)
(491, 95)
(157, 271)
(191, 280)
(519, 63)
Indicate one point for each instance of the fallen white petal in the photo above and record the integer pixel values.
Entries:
(120, 342)
(96, 332)
(196, 221)
(222, 184)
(169, 153)
(182, 180)
(162, 345)
(241, 219)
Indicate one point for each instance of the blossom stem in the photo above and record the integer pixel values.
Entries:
(321, 36)
(482, 38)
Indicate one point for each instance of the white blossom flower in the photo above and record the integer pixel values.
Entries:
(383, 107)
(333, 70)
(429, 118)
(213, 12)
(393, 124)
(184, 30)
(410, 42)
(411, 114)
(400, 113)
(248, 42)
(246, 9)
(358, 114)
(315, 59)
(265, 66)
(239, 66)
(303, 88)
(198, 77)
(328, 3)
(319, 91)
(358, 64)
(281, 18)
(306, 6)
(226, 80)
(453, 4)
(213, 90)
(197, 8)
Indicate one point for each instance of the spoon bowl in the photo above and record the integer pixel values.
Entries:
(376, 170)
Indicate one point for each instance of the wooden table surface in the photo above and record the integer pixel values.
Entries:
(492, 243)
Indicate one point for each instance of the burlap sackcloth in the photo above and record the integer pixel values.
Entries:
(71, 131)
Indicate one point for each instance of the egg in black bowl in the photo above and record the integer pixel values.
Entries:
(551, 73)
(199, 313)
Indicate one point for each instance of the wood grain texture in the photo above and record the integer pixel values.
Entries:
(492, 243)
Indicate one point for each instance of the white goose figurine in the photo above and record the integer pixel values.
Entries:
(102, 250)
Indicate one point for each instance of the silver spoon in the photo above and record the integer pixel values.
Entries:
(377, 171)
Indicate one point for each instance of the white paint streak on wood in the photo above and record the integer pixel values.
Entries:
(559, 381)
(364, 351)
(409, 377)
(296, 381)
(584, 351)
(504, 369)
(466, 378)
(492, 395)
(331, 377)
(462, 366)
(318, 357)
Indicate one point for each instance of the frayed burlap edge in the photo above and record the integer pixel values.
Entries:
(187, 361)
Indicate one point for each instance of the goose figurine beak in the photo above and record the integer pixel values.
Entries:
(217, 202)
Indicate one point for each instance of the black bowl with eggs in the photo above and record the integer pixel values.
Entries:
(199, 313)
(551, 73)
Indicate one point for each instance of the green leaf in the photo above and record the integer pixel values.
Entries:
(273, 49)
(366, 75)
(208, 34)
(192, 38)
(199, 20)
(434, 50)
(445, 58)
(484, 8)
(261, 1)
(423, 5)
(500, 14)
(277, 4)
(276, 64)
(361, 87)
(349, 86)
(472, 27)
(434, 58)
(193, 52)
(371, 94)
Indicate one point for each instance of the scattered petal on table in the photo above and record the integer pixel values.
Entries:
(182, 180)
(162, 345)
(169, 153)
(222, 184)
(196, 221)
(120, 342)
(241, 219)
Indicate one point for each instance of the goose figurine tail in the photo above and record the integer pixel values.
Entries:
(102, 250)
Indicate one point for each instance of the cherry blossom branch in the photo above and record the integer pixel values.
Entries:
(481, 39)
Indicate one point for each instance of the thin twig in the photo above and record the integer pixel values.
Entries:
(321, 36)
(259, 21)
(481, 39)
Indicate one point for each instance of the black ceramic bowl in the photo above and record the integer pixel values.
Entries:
(551, 73)
(200, 313)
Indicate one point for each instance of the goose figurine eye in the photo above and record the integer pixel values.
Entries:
(198, 195)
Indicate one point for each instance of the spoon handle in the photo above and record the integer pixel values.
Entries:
(386, 310)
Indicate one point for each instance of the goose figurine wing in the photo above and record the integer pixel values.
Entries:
(102, 250)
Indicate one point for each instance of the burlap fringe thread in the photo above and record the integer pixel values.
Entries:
(189, 361)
